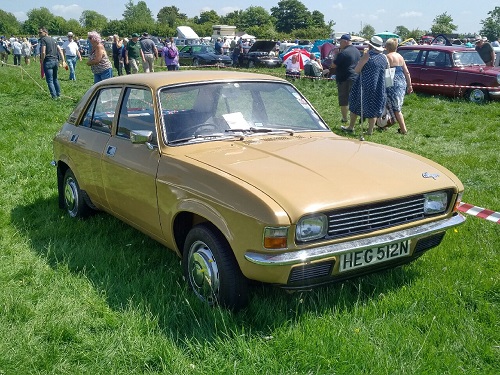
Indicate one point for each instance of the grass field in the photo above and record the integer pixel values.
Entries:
(98, 297)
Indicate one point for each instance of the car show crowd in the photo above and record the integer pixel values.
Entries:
(348, 60)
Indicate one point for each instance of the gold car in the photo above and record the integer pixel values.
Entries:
(240, 176)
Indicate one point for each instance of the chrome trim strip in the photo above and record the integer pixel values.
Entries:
(307, 255)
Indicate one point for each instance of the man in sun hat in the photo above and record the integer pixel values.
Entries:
(376, 43)
(71, 51)
(344, 63)
(485, 50)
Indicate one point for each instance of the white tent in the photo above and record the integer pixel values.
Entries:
(185, 32)
(247, 36)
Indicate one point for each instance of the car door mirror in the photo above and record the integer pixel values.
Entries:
(141, 136)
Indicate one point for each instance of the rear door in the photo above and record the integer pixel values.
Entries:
(89, 139)
(437, 72)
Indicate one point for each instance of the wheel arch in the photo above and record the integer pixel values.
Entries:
(192, 213)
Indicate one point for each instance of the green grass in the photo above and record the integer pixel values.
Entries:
(98, 297)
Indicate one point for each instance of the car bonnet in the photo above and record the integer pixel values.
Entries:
(308, 173)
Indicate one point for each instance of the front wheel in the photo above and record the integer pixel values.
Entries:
(211, 270)
(476, 95)
(196, 62)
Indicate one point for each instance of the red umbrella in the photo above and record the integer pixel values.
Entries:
(302, 56)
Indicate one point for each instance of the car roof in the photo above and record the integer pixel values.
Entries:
(160, 79)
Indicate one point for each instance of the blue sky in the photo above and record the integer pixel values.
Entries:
(348, 15)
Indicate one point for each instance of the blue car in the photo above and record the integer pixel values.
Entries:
(202, 54)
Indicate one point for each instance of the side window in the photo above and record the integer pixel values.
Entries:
(136, 113)
(101, 111)
(411, 57)
(438, 59)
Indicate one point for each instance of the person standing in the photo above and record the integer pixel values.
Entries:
(368, 96)
(17, 51)
(345, 75)
(402, 84)
(117, 47)
(98, 58)
(496, 42)
(171, 54)
(71, 50)
(4, 50)
(150, 53)
(122, 57)
(26, 50)
(133, 53)
(485, 50)
(50, 53)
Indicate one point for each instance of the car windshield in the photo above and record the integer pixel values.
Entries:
(467, 58)
(214, 111)
(203, 49)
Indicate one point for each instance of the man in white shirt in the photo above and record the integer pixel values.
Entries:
(71, 51)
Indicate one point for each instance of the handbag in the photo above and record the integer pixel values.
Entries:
(389, 75)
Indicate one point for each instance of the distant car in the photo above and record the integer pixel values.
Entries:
(451, 70)
(233, 171)
(259, 55)
(202, 54)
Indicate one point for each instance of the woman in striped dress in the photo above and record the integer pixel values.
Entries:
(98, 58)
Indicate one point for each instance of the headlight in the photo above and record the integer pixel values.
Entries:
(435, 203)
(311, 228)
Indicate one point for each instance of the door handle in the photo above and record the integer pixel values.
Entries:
(110, 151)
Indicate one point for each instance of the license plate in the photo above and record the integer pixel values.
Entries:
(367, 257)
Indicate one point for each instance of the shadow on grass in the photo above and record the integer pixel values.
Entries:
(135, 273)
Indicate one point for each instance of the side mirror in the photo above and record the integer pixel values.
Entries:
(141, 136)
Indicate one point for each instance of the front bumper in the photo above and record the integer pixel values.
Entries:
(323, 252)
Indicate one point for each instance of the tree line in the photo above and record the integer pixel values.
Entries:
(289, 19)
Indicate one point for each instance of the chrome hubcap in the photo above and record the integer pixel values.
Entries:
(203, 272)
(70, 195)
(477, 96)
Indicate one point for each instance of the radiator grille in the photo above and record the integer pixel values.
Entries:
(362, 219)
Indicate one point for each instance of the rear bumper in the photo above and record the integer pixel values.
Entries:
(322, 252)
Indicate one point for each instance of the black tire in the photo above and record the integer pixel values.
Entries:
(74, 201)
(196, 62)
(251, 64)
(477, 95)
(211, 270)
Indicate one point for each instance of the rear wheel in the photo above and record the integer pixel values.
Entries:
(251, 64)
(74, 201)
(211, 269)
(196, 62)
(476, 95)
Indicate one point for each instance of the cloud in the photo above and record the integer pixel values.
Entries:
(338, 6)
(226, 10)
(68, 11)
(411, 14)
(21, 16)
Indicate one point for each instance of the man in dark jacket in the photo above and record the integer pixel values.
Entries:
(345, 62)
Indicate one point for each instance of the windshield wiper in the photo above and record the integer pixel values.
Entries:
(198, 136)
(260, 130)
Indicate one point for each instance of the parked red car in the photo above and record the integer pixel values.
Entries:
(452, 70)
